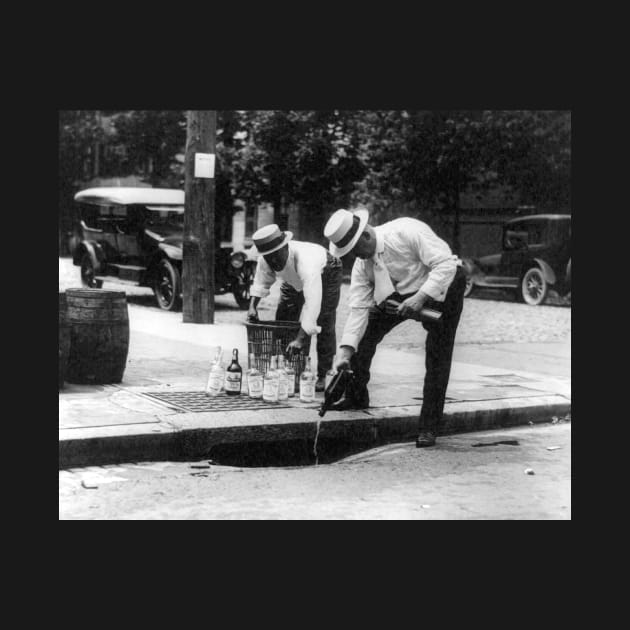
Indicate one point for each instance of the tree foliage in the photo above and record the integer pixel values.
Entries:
(320, 160)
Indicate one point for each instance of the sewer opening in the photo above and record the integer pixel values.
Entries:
(288, 453)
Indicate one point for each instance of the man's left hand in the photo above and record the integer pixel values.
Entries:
(295, 347)
(412, 306)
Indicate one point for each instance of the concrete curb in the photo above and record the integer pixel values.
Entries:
(176, 438)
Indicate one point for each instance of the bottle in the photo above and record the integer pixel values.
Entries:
(335, 390)
(270, 382)
(233, 376)
(283, 380)
(307, 383)
(290, 370)
(426, 315)
(254, 379)
(330, 373)
(215, 378)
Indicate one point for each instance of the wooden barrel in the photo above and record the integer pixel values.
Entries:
(64, 338)
(99, 336)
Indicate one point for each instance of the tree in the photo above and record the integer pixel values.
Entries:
(430, 157)
(309, 158)
(79, 134)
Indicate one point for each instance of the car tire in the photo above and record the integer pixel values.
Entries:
(534, 287)
(88, 273)
(241, 293)
(167, 286)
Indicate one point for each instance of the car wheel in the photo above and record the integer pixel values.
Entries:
(534, 287)
(241, 292)
(88, 273)
(167, 286)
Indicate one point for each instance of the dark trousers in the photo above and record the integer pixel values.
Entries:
(438, 348)
(292, 301)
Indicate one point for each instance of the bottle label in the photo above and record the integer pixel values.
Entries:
(307, 390)
(233, 382)
(255, 384)
(283, 389)
(214, 383)
(270, 390)
(291, 386)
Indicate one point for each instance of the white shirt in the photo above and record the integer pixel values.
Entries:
(416, 258)
(303, 272)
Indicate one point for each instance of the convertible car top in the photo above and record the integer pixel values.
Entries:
(129, 196)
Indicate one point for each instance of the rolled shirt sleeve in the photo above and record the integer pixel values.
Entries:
(263, 279)
(360, 300)
(312, 287)
(434, 253)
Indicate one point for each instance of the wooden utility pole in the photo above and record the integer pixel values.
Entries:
(198, 250)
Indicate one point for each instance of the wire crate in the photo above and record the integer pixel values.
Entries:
(268, 338)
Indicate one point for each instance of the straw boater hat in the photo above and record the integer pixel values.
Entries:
(343, 229)
(270, 239)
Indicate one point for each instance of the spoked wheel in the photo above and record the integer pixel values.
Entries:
(88, 274)
(167, 286)
(534, 287)
(241, 292)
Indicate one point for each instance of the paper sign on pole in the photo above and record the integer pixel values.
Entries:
(204, 165)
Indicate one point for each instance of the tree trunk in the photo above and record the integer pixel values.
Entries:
(199, 246)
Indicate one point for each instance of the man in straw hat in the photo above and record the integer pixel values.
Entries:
(403, 257)
(311, 284)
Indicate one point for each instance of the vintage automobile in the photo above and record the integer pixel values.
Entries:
(536, 257)
(135, 236)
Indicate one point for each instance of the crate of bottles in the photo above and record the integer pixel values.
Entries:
(269, 338)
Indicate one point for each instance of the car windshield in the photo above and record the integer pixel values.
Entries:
(524, 234)
(161, 218)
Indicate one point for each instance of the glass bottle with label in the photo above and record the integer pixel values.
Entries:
(254, 379)
(290, 370)
(233, 376)
(307, 383)
(271, 382)
(283, 380)
(216, 376)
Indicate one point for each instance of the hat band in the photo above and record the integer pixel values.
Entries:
(349, 235)
(263, 247)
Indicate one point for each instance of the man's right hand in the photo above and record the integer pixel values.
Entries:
(252, 315)
(342, 362)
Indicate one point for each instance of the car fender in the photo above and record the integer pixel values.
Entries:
(94, 250)
(172, 251)
(548, 272)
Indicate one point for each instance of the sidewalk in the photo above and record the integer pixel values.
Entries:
(109, 424)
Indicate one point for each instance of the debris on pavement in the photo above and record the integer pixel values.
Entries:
(88, 487)
(529, 471)
(200, 466)
(553, 448)
(508, 442)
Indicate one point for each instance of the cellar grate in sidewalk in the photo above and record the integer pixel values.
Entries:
(200, 401)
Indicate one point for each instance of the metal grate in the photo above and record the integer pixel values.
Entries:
(200, 401)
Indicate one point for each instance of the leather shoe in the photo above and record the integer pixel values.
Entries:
(320, 384)
(347, 404)
(425, 438)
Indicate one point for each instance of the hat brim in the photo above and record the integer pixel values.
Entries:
(288, 235)
(338, 252)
